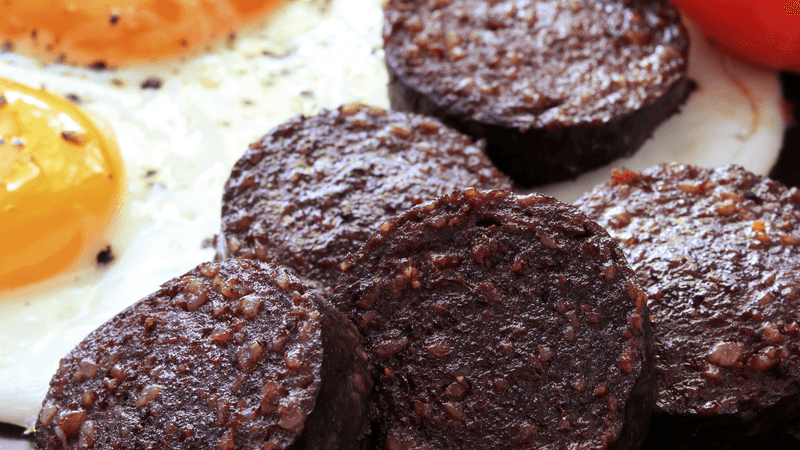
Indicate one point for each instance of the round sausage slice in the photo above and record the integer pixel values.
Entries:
(501, 321)
(718, 253)
(556, 87)
(315, 188)
(232, 355)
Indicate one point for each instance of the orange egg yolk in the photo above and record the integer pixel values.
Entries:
(61, 183)
(110, 33)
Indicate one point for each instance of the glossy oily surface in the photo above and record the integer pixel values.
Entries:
(115, 32)
(501, 321)
(718, 252)
(61, 184)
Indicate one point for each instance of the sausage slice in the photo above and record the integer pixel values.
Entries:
(556, 87)
(315, 188)
(500, 321)
(718, 252)
(232, 355)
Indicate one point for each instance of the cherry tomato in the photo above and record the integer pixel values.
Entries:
(765, 32)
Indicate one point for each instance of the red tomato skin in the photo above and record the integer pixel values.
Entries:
(765, 32)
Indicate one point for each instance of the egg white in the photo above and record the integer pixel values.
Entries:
(308, 55)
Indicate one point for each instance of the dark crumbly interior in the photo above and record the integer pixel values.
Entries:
(232, 355)
(717, 251)
(314, 189)
(555, 86)
(501, 321)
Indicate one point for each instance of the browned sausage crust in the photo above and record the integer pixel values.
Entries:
(556, 87)
(717, 252)
(314, 189)
(501, 321)
(232, 355)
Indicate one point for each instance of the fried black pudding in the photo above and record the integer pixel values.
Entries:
(501, 321)
(556, 87)
(232, 355)
(315, 188)
(718, 252)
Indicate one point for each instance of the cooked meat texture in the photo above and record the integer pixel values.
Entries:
(717, 252)
(315, 188)
(232, 355)
(501, 321)
(556, 87)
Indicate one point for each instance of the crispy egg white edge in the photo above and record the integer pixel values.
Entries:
(197, 125)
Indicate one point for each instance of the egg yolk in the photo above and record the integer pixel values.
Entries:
(61, 183)
(108, 33)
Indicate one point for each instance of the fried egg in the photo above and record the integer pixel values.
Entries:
(179, 142)
(110, 33)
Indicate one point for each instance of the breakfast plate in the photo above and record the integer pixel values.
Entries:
(182, 123)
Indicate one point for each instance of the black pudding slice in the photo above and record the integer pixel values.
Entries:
(556, 87)
(232, 355)
(501, 321)
(315, 188)
(718, 253)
